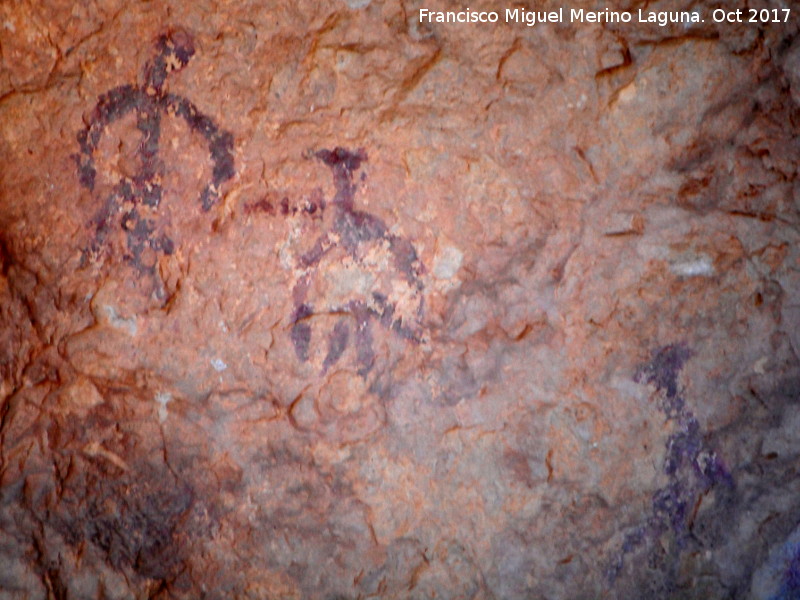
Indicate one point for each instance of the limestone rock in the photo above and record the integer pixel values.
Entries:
(320, 300)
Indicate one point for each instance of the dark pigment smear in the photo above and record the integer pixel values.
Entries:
(352, 228)
(143, 531)
(337, 343)
(311, 208)
(790, 586)
(149, 103)
(692, 468)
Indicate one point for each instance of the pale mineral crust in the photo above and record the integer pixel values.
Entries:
(314, 300)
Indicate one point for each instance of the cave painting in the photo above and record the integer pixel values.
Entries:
(359, 272)
(133, 203)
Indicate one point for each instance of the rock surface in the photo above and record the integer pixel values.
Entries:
(314, 300)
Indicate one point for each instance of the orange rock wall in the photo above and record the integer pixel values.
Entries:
(316, 300)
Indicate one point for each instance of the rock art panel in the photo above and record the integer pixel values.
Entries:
(327, 301)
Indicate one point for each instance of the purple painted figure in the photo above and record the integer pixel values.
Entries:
(357, 271)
